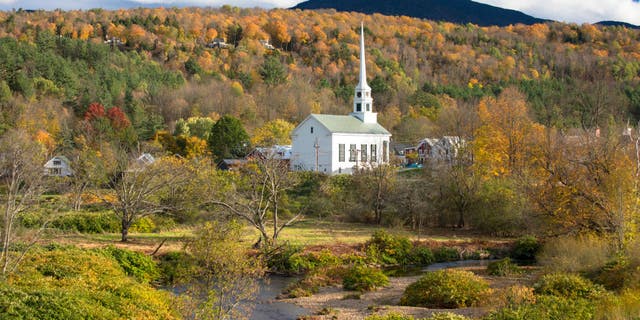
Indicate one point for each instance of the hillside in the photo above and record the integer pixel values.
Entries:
(57, 64)
(456, 11)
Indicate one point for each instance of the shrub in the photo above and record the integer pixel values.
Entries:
(279, 259)
(362, 278)
(135, 264)
(525, 248)
(503, 267)
(445, 289)
(446, 254)
(547, 307)
(626, 305)
(446, 316)
(389, 316)
(388, 249)
(143, 225)
(618, 274)
(515, 295)
(299, 262)
(567, 285)
(87, 222)
(584, 254)
(422, 256)
(88, 285)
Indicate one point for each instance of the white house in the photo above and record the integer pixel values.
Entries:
(58, 166)
(339, 143)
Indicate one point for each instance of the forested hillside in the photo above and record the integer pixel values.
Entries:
(57, 64)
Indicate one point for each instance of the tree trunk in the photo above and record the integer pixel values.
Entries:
(125, 230)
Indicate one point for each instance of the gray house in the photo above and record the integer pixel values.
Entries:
(58, 166)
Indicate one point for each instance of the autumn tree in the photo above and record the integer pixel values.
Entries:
(22, 175)
(505, 143)
(373, 186)
(276, 132)
(143, 189)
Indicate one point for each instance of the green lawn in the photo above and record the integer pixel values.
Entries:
(305, 232)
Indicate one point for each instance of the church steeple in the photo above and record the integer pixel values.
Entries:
(362, 101)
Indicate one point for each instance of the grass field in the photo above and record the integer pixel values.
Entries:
(306, 232)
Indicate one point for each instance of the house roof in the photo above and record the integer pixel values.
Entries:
(348, 124)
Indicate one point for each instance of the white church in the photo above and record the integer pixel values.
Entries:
(334, 144)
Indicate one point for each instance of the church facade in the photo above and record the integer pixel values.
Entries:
(334, 144)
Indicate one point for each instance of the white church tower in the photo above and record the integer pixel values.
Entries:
(335, 144)
(362, 101)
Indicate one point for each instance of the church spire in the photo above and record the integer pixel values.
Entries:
(362, 101)
(362, 83)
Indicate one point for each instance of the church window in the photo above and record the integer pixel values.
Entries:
(368, 107)
(311, 129)
(367, 94)
(359, 94)
(341, 152)
(374, 153)
(358, 107)
(352, 153)
(363, 152)
(385, 147)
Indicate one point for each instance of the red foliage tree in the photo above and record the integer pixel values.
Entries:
(118, 118)
(94, 111)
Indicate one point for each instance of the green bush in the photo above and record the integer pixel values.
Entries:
(568, 286)
(299, 262)
(71, 283)
(385, 248)
(525, 248)
(445, 254)
(446, 316)
(422, 256)
(389, 316)
(362, 278)
(279, 259)
(143, 225)
(135, 264)
(503, 267)
(618, 274)
(445, 289)
(547, 307)
(87, 222)
(313, 280)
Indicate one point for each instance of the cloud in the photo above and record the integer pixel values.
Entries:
(577, 11)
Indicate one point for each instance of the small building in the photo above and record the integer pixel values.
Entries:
(444, 149)
(218, 43)
(145, 159)
(267, 45)
(334, 144)
(280, 152)
(58, 166)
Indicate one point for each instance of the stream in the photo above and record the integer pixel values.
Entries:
(268, 308)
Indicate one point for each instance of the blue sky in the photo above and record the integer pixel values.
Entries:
(578, 11)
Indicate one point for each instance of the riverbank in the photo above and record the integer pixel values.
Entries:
(336, 303)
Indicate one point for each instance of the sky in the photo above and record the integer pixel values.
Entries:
(576, 11)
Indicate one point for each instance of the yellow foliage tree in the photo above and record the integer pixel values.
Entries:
(273, 132)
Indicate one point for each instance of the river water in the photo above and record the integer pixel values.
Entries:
(268, 308)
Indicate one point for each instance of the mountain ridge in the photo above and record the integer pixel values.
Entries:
(456, 11)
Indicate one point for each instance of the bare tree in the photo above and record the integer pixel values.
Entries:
(144, 189)
(257, 195)
(21, 161)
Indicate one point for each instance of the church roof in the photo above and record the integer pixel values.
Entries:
(348, 124)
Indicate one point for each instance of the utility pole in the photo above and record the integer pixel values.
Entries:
(317, 147)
